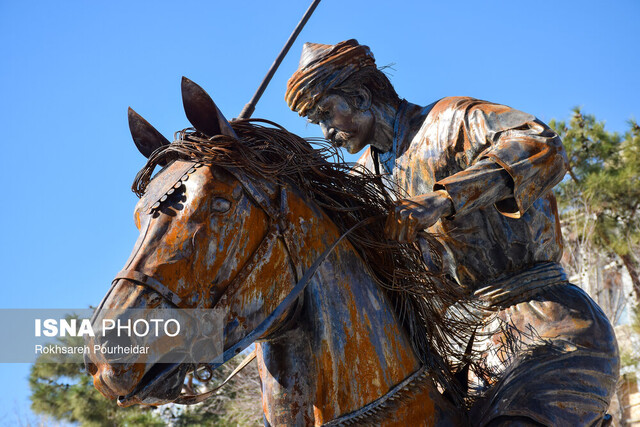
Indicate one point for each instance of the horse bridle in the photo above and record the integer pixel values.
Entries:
(277, 228)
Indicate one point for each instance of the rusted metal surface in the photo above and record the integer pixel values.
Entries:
(208, 241)
(557, 343)
(447, 152)
(478, 176)
(332, 356)
(145, 136)
(201, 111)
(498, 166)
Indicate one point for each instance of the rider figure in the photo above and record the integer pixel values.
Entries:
(478, 176)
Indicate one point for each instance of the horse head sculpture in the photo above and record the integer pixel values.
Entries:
(259, 246)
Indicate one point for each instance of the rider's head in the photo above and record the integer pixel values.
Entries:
(340, 88)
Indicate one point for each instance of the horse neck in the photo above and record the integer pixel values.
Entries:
(346, 348)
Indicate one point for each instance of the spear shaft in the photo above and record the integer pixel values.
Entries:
(248, 109)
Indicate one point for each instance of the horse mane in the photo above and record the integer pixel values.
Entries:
(348, 195)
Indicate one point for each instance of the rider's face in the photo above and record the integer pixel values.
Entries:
(342, 124)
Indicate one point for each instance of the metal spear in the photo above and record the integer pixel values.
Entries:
(248, 109)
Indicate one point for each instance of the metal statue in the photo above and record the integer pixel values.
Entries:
(478, 176)
(252, 221)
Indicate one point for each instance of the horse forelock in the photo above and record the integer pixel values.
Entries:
(264, 151)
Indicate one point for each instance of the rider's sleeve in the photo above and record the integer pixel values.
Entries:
(521, 153)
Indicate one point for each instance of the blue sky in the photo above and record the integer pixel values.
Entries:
(70, 69)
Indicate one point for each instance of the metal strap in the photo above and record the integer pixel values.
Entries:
(152, 283)
(192, 399)
(282, 308)
(360, 415)
(267, 242)
(510, 290)
(259, 194)
(288, 238)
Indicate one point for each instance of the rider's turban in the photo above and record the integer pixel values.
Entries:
(323, 67)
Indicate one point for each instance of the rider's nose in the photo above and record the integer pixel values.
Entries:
(324, 128)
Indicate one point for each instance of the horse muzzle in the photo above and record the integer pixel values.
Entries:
(160, 384)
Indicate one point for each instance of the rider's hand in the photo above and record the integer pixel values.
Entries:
(415, 214)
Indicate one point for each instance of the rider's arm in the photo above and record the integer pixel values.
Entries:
(521, 164)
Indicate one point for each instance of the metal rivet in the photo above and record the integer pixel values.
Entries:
(163, 198)
(170, 191)
(156, 205)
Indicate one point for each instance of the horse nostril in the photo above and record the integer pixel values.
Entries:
(114, 338)
(91, 368)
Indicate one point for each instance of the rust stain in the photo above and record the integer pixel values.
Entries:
(188, 245)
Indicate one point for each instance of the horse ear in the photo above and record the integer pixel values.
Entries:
(202, 112)
(145, 136)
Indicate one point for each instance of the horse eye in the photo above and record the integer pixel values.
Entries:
(220, 205)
